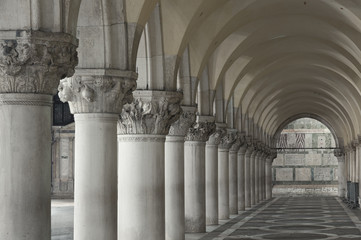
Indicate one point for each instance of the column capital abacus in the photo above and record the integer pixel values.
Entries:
(151, 112)
(185, 121)
(202, 129)
(98, 90)
(35, 61)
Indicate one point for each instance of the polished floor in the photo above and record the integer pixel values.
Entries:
(280, 218)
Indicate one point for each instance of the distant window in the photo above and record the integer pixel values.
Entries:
(61, 113)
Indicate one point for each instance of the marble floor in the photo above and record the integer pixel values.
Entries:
(280, 218)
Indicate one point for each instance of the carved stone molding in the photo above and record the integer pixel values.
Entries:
(228, 140)
(93, 92)
(186, 120)
(35, 61)
(201, 130)
(151, 112)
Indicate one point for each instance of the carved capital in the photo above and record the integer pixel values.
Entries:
(201, 131)
(98, 91)
(151, 112)
(228, 140)
(35, 61)
(186, 120)
(240, 141)
(216, 137)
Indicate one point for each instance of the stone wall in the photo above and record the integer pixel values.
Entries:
(62, 171)
(305, 163)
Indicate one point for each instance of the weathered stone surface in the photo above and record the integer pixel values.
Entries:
(322, 174)
(313, 159)
(284, 174)
(303, 174)
(295, 159)
(279, 160)
(35, 61)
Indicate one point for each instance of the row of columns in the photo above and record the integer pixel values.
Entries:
(141, 170)
(225, 187)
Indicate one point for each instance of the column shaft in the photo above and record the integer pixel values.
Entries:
(240, 180)
(247, 179)
(211, 184)
(194, 183)
(256, 177)
(223, 183)
(253, 178)
(25, 153)
(95, 176)
(268, 179)
(141, 180)
(233, 191)
(174, 188)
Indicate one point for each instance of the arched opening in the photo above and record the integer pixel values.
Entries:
(305, 163)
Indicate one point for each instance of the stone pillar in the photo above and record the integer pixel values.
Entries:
(31, 65)
(263, 179)
(233, 173)
(223, 175)
(142, 129)
(212, 176)
(174, 174)
(194, 174)
(342, 180)
(257, 178)
(241, 177)
(268, 166)
(96, 99)
(253, 178)
(247, 175)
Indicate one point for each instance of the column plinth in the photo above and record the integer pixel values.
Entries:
(194, 173)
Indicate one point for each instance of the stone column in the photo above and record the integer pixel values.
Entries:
(268, 165)
(257, 179)
(212, 176)
(223, 175)
(241, 177)
(31, 65)
(233, 175)
(342, 180)
(247, 173)
(174, 174)
(253, 177)
(96, 98)
(194, 174)
(262, 192)
(142, 129)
